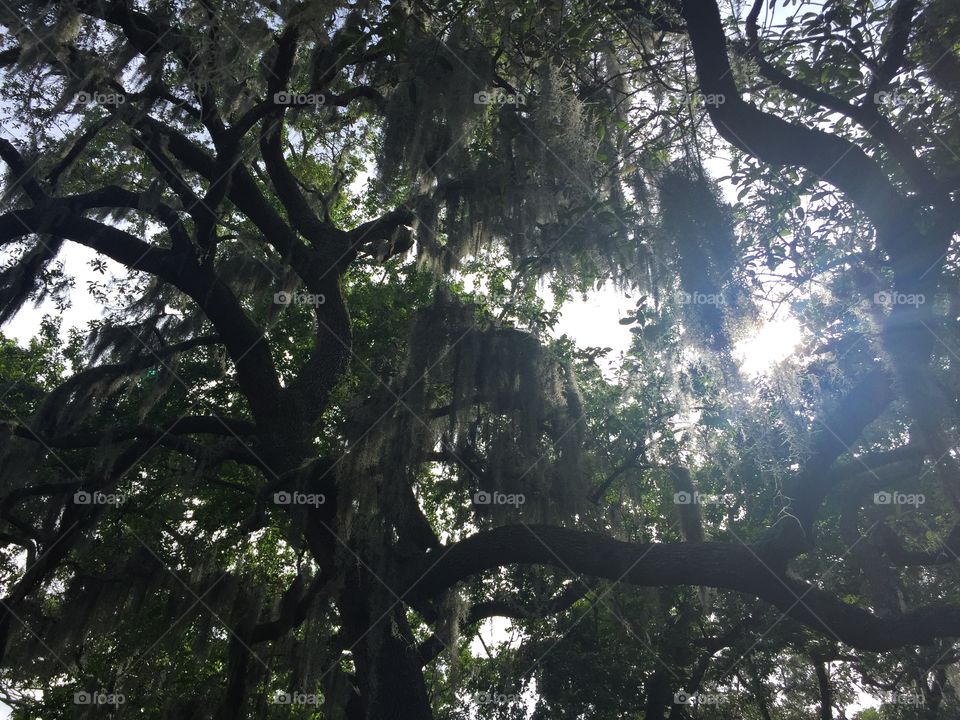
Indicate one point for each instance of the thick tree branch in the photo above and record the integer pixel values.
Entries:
(302, 216)
(866, 116)
(712, 564)
(243, 340)
(894, 45)
(830, 157)
(836, 434)
(916, 248)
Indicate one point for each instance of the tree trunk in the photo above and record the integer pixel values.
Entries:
(826, 692)
(385, 654)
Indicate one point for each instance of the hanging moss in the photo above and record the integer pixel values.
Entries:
(520, 168)
(494, 403)
(431, 108)
(696, 232)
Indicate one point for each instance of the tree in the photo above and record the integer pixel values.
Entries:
(323, 429)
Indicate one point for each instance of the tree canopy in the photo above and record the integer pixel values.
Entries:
(324, 427)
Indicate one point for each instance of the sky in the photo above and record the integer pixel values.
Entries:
(591, 321)
(594, 321)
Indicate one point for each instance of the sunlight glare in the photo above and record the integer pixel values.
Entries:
(773, 342)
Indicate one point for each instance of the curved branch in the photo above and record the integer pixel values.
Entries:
(793, 532)
(245, 342)
(866, 116)
(191, 425)
(768, 137)
(301, 215)
(894, 45)
(712, 564)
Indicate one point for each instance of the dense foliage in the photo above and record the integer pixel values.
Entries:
(324, 428)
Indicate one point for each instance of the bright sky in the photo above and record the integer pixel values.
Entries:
(595, 322)
(592, 321)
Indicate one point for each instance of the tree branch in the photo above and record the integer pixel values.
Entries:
(712, 564)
